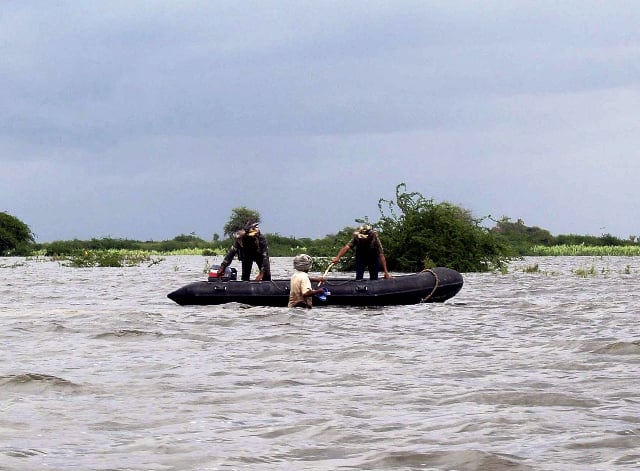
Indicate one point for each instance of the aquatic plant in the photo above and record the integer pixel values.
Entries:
(586, 250)
(13, 265)
(585, 272)
(109, 258)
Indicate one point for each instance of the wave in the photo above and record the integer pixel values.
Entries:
(126, 333)
(462, 460)
(523, 398)
(620, 348)
(36, 382)
(21, 453)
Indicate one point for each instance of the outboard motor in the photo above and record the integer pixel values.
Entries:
(229, 274)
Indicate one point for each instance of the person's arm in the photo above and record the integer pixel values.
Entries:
(228, 259)
(383, 259)
(383, 263)
(343, 251)
(307, 289)
(312, 292)
(266, 267)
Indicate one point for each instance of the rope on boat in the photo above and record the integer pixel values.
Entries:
(282, 290)
(435, 286)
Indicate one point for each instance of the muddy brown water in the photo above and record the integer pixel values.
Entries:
(519, 371)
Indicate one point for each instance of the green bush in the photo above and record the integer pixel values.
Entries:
(519, 237)
(418, 233)
(109, 258)
(16, 237)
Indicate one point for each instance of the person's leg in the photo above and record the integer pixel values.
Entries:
(374, 268)
(247, 263)
(360, 266)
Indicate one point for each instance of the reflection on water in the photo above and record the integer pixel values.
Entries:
(99, 370)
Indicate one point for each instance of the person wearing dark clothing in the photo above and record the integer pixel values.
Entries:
(250, 246)
(369, 253)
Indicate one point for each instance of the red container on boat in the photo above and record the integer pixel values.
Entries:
(229, 274)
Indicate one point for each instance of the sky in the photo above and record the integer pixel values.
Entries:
(149, 119)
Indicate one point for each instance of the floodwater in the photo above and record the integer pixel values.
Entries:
(99, 370)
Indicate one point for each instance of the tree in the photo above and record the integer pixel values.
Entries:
(189, 240)
(418, 233)
(521, 237)
(239, 218)
(15, 236)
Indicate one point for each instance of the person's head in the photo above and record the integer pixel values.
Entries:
(364, 231)
(302, 262)
(252, 229)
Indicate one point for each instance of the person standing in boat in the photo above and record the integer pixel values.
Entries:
(250, 246)
(300, 291)
(369, 253)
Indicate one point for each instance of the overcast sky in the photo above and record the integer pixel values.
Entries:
(147, 119)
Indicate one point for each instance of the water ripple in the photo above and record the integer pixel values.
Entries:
(520, 371)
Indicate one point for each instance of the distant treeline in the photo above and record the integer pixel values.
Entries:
(279, 246)
(528, 241)
(417, 233)
(521, 240)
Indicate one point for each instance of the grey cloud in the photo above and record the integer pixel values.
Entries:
(161, 104)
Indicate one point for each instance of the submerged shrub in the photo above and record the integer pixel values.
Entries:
(109, 258)
(419, 233)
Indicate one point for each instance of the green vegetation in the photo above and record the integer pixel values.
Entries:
(585, 272)
(586, 250)
(109, 258)
(533, 241)
(179, 245)
(419, 233)
(520, 237)
(416, 232)
(240, 217)
(15, 236)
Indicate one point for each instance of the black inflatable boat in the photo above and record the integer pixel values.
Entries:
(434, 285)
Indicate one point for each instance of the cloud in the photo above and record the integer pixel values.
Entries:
(153, 118)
